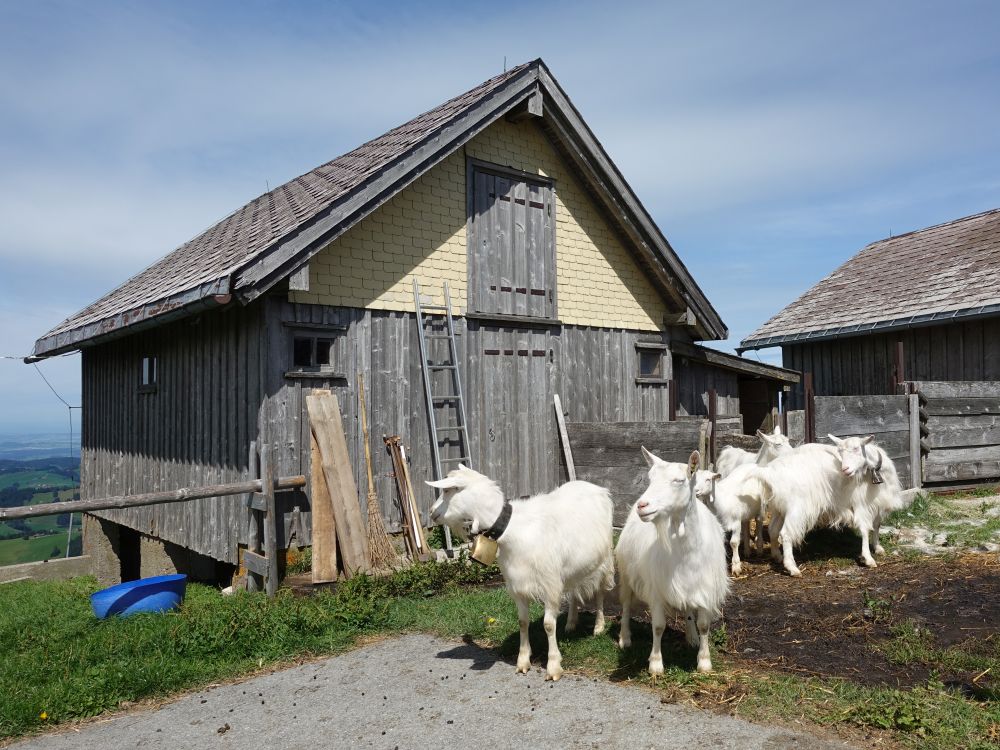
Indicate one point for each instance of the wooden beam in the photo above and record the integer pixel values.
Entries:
(152, 498)
(564, 437)
(916, 475)
(810, 408)
(530, 109)
(686, 318)
(730, 362)
(324, 527)
(328, 427)
(270, 520)
(299, 280)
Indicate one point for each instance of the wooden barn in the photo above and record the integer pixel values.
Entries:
(560, 281)
(923, 306)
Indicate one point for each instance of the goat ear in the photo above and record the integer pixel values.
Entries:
(716, 477)
(776, 432)
(694, 461)
(867, 439)
(834, 439)
(445, 484)
(650, 458)
(765, 437)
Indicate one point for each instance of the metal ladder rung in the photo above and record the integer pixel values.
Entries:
(432, 307)
(436, 336)
(442, 367)
(444, 398)
(453, 460)
(460, 427)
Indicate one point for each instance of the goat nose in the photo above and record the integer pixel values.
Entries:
(643, 503)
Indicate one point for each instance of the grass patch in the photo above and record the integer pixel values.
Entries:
(964, 524)
(35, 478)
(47, 547)
(62, 662)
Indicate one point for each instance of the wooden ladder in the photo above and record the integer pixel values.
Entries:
(454, 395)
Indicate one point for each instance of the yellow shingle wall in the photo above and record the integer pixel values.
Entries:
(421, 233)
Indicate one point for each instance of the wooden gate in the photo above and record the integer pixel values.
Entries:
(963, 429)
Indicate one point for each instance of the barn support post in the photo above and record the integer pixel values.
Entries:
(810, 408)
(713, 419)
(916, 464)
(672, 400)
(898, 368)
(255, 581)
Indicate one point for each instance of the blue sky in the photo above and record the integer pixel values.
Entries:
(769, 140)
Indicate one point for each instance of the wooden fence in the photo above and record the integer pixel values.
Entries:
(962, 421)
(608, 453)
(936, 432)
(888, 418)
(260, 559)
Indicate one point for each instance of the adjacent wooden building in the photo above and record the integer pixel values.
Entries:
(562, 284)
(922, 306)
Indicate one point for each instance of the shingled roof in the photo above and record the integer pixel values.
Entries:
(273, 235)
(948, 271)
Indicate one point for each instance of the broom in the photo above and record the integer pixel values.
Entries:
(383, 554)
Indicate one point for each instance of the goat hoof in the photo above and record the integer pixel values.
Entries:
(655, 669)
(795, 573)
(880, 550)
(523, 667)
(870, 563)
(553, 674)
(624, 642)
(736, 569)
(599, 626)
(704, 665)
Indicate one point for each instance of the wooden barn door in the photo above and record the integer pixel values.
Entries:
(512, 258)
(512, 421)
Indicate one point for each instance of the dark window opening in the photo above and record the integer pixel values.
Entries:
(650, 364)
(147, 375)
(313, 353)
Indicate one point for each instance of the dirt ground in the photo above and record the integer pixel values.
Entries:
(832, 625)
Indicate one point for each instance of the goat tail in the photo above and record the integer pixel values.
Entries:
(757, 484)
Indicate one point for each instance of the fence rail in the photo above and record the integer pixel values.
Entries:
(152, 498)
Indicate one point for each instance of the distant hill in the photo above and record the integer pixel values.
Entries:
(31, 482)
(38, 446)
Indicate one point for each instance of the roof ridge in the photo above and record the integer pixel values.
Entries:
(940, 225)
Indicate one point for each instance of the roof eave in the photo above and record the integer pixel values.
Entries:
(920, 320)
(727, 361)
(188, 302)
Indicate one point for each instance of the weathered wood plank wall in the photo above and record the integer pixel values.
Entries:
(227, 378)
(885, 417)
(609, 455)
(963, 430)
(193, 429)
(863, 365)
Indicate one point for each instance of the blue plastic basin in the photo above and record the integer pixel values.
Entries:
(157, 594)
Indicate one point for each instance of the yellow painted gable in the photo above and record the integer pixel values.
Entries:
(421, 233)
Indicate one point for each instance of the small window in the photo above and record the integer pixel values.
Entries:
(311, 351)
(650, 364)
(313, 356)
(147, 375)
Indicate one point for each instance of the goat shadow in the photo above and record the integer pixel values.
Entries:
(820, 545)
(632, 662)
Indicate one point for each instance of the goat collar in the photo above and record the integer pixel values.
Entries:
(499, 526)
(876, 470)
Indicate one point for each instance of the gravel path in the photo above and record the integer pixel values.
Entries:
(420, 692)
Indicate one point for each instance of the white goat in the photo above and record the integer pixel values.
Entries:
(553, 544)
(671, 556)
(731, 458)
(734, 507)
(772, 446)
(850, 483)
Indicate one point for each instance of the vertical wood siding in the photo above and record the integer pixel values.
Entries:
(194, 429)
(223, 382)
(862, 365)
